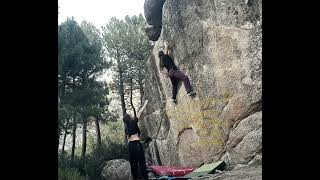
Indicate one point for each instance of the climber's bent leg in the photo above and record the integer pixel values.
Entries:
(181, 76)
(174, 83)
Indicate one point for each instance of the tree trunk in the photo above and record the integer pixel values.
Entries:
(141, 91)
(98, 132)
(84, 141)
(63, 89)
(140, 78)
(65, 136)
(121, 91)
(74, 131)
(131, 89)
(121, 87)
(63, 79)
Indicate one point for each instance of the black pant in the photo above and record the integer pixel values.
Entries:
(137, 160)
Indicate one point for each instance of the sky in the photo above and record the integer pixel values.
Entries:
(98, 12)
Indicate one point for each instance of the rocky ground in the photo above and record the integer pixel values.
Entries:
(119, 169)
(242, 173)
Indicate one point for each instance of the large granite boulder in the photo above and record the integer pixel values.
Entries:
(153, 14)
(218, 45)
(118, 169)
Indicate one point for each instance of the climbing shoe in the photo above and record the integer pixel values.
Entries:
(192, 94)
(174, 101)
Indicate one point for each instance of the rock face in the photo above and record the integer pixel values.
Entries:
(217, 44)
(153, 11)
(152, 32)
(153, 14)
(118, 169)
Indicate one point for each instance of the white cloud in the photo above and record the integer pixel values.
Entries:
(98, 11)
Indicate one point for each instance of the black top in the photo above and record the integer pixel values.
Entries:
(167, 62)
(132, 127)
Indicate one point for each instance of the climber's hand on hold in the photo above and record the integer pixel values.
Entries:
(165, 44)
(166, 48)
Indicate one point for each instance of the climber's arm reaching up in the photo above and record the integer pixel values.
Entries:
(166, 49)
(164, 52)
(161, 63)
(142, 109)
(161, 66)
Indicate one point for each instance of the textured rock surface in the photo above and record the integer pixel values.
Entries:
(153, 14)
(217, 43)
(247, 125)
(242, 173)
(118, 169)
(153, 11)
(153, 32)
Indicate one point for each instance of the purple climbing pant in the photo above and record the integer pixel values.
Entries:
(175, 77)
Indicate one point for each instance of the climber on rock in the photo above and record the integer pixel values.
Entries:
(136, 153)
(174, 73)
